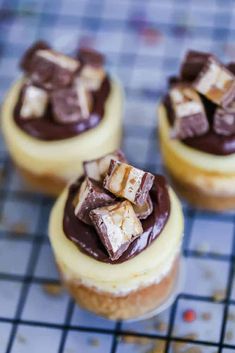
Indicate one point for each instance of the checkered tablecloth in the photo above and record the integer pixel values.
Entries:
(144, 42)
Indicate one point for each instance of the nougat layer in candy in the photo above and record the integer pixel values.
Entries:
(70, 105)
(126, 181)
(97, 168)
(25, 63)
(216, 83)
(224, 120)
(90, 195)
(188, 112)
(34, 102)
(52, 70)
(117, 226)
(92, 72)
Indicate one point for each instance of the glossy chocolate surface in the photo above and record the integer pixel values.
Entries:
(86, 238)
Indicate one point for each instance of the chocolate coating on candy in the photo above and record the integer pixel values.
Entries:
(143, 211)
(97, 168)
(90, 195)
(91, 57)
(117, 226)
(26, 61)
(189, 114)
(87, 240)
(193, 64)
(224, 121)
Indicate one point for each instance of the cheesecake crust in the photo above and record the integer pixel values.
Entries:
(121, 307)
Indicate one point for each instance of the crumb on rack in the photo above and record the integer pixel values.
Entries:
(93, 341)
(52, 289)
(219, 295)
(135, 339)
(206, 316)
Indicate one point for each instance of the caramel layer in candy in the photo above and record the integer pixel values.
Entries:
(34, 102)
(117, 226)
(97, 168)
(224, 120)
(128, 182)
(192, 64)
(216, 83)
(90, 195)
(143, 211)
(52, 70)
(70, 105)
(92, 72)
(188, 112)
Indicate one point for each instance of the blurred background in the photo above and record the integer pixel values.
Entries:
(144, 42)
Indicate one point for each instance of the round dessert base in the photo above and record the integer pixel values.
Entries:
(47, 184)
(197, 198)
(143, 302)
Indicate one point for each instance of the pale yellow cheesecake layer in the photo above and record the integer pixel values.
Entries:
(148, 267)
(210, 173)
(62, 158)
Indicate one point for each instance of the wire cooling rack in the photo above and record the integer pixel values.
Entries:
(144, 41)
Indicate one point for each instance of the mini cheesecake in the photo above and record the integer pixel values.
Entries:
(196, 124)
(116, 234)
(64, 110)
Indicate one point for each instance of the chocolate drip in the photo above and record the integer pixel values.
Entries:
(87, 240)
(47, 129)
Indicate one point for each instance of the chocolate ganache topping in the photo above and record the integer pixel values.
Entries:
(201, 104)
(92, 236)
(61, 97)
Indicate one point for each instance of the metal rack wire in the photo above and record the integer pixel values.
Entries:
(143, 42)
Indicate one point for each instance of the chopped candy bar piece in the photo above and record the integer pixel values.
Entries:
(92, 73)
(192, 64)
(26, 60)
(52, 70)
(128, 182)
(90, 195)
(143, 211)
(188, 112)
(216, 83)
(224, 120)
(97, 168)
(69, 105)
(34, 103)
(117, 226)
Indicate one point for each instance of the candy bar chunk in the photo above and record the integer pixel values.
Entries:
(26, 60)
(143, 211)
(52, 70)
(92, 72)
(224, 120)
(70, 105)
(192, 64)
(90, 195)
(188, 111)
(117, 226)
(216, 83)
(34, 103)
(98, 168)
(128, 182)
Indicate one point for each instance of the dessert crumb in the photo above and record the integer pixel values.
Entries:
(206, 316)
(21, 338)
(229, 335)
(178, 347)
(136, 339)
(158, 347)
(219, 295)
(161, 326)
(202, 248)
(52, 289)
(94, 342)
(189, 315)
(20, 228)
(231, 317)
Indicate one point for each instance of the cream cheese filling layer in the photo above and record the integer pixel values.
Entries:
(62, 158)
(148, 267)
(202, 160)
